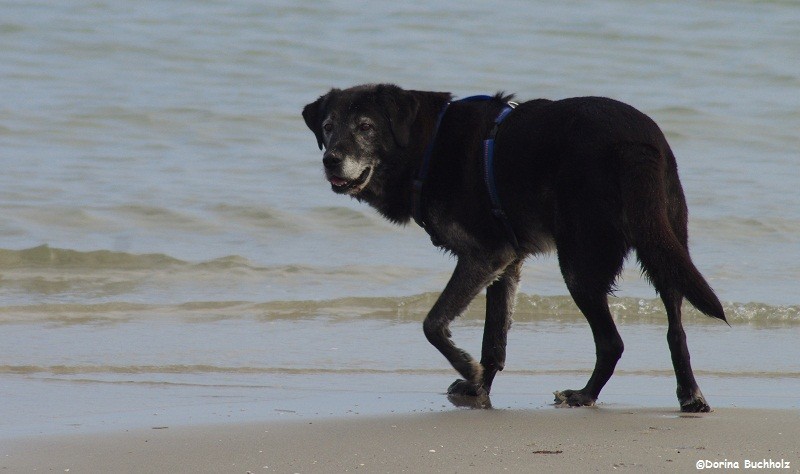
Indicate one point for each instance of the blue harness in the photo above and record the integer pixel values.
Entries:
(488, 169)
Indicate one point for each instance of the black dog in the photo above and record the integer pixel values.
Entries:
(591, 177)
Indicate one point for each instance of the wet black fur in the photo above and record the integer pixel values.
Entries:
(589, 177)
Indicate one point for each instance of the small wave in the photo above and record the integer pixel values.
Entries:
(777, 229)
(160, 217)
(343, 216)
(651, 310)
(96, 285)
(529, 309)
(200, 369)
(181, 369)
(261, 217)
(277, 220)
(46, 256)
(11, 28)
(668, 114)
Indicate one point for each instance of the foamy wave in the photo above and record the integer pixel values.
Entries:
(530, 309)
(109, 286)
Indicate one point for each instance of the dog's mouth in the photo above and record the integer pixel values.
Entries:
(350, 186)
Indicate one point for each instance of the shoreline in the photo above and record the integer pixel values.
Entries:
(602, 439)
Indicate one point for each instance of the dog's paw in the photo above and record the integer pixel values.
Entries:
(695, 405)
(462, 393)
(463, 388)
(573, 398)
(692, 401)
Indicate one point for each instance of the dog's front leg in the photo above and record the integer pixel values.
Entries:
(500, 298)
(472, 274)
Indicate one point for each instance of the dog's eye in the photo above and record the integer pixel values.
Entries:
(365, 126)
(327, 127)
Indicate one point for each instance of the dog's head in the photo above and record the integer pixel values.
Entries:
(358, 128)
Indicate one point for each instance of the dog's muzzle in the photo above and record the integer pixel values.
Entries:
(344, 185)
(340, 172)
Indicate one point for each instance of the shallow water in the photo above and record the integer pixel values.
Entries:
(168, 244)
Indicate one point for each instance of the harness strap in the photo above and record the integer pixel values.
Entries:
(416, 197)
(488, 166)
(416, 190)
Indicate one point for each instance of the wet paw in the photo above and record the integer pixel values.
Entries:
(573, 398)
(692, 400)
(462, 393)
(463, 388)
(695, 405)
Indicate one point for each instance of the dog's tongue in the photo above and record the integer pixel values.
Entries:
(336, 181)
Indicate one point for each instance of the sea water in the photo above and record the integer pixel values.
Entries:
(170, 252)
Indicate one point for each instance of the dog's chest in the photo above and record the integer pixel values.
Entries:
(449, 234)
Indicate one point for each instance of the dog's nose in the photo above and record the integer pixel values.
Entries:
(331, 159)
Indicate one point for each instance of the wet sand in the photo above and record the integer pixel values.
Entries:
(556, 440)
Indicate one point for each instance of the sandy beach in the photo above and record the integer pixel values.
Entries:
(546, 440)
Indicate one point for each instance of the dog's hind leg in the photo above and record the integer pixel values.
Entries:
(689, 395)
(591, 253)
(470, 276)
(653, 199)
(608, 348)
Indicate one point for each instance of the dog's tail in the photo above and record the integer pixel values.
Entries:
(655, 209)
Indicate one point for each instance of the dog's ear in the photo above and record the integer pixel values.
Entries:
(314, 113)
(401, 107)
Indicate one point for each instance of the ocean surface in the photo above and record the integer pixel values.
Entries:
(170, 252)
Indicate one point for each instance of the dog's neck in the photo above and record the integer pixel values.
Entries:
(390, 197)
(391, 193)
